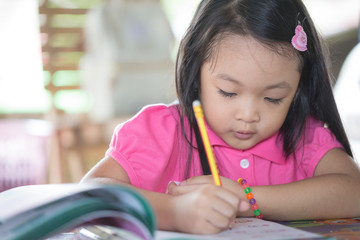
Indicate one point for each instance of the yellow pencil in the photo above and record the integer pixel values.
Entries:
(209, 153)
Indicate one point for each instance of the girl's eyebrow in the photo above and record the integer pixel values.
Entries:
(226, 77)
(282, 84)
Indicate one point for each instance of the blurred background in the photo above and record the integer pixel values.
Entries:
(71, 70)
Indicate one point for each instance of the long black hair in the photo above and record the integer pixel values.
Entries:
(273, 23)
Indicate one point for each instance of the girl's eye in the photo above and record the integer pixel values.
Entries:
(274, 100)
(226, 94)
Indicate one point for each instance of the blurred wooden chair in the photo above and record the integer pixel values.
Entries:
(24, 152)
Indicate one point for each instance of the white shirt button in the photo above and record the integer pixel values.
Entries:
(244, 163)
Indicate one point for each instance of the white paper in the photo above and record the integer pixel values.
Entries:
(246, 228)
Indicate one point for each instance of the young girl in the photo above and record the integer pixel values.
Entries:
(260, 72)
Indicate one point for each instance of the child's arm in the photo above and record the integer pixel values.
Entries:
(206, 210)
(333, 192)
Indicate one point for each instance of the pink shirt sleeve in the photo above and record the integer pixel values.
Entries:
(318, 141)
(144, 145)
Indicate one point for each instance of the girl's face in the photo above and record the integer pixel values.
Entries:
(246, 90)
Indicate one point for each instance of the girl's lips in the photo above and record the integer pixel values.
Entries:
(244, 135)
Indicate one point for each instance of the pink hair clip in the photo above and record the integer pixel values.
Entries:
(299, 40)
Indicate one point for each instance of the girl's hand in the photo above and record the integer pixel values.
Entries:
(205, 179)
(232, 186)
(203, 208)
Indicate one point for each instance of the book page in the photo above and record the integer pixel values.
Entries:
(245, 228)
(33, 196)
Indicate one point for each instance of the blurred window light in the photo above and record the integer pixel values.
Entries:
(72, 101)
(67, 78)
(179, 13)
(72, 3)
(67, 21)
(334, 16)
(21, 77)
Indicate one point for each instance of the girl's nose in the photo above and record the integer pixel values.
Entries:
(247, 111)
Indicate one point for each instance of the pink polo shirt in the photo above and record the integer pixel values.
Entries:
(152, 150)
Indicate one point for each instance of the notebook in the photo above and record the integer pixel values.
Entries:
(40, 211)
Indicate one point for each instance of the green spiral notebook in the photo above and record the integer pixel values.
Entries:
(40, 211)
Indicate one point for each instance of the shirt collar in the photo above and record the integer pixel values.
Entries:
(270, 149)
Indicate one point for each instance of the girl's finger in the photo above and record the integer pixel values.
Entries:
(173, 189)
(225, 208)
(198, 180)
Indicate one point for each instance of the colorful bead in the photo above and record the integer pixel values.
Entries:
(257, 212)
(254, 206)
(251, 198)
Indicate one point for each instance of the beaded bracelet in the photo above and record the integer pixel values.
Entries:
(251, 198)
